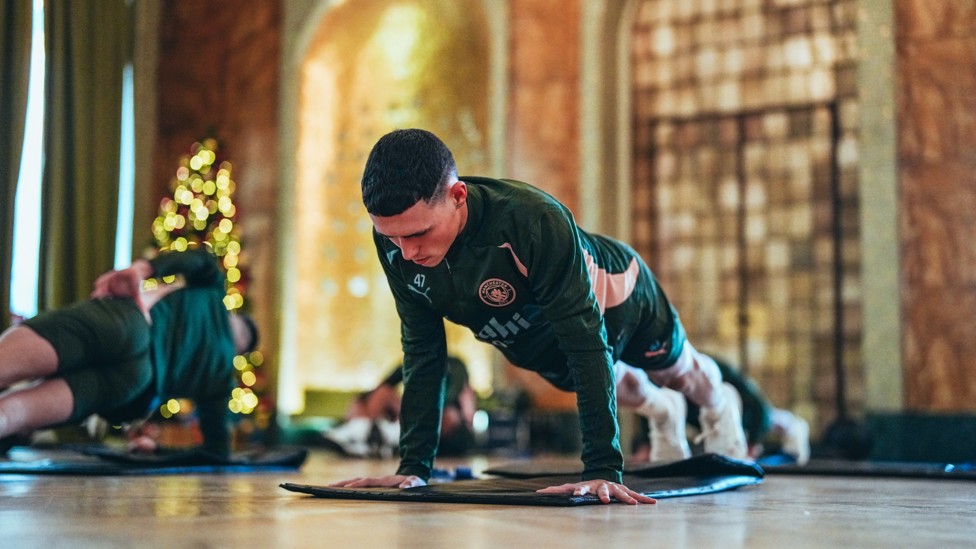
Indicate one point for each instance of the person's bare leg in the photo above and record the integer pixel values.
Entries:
(697, 376)
(633, 386)
(636, 391)
(25, 356)
(665, 410)
(47, 403)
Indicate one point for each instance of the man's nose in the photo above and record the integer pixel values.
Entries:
(408, 250)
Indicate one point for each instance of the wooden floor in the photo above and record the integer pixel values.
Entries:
(251, 511)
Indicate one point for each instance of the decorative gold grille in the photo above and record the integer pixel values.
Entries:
(745, 185)
(374, 66)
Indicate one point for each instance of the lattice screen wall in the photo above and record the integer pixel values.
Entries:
(745, 163)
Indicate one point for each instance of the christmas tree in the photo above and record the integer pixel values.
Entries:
(201, 212)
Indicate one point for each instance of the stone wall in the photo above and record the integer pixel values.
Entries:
(936, 56)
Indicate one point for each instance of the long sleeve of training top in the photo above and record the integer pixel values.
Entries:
(424, 362)
(198, 267)
(559, 280)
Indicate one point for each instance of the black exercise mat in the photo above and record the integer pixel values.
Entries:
(702, 475)
(97, 460)
(886, 469)
(816, 466)
(697, 465)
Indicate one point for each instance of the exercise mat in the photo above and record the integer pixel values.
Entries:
(693, 466)
(700, 475)
(101, 460)
(886, 469)
(776, 465)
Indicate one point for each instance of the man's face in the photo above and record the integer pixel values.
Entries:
(424, 232)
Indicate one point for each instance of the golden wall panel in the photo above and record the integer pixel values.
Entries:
(543, 125)
(371, 67)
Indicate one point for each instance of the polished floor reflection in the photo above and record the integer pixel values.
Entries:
(250, 510)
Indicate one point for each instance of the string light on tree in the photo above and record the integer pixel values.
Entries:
(201, 212)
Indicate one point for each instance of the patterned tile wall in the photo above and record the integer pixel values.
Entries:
(746, 150)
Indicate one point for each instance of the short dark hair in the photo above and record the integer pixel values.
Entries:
(405, 167)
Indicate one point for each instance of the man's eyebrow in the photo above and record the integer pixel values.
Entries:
(418, 233)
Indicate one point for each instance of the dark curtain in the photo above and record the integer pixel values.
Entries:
(86, 43)
(15, 45)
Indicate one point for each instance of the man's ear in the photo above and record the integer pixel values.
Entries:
(458, 193)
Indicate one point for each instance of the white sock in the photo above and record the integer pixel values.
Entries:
(655, 408)
(716, 412)
(725, 395)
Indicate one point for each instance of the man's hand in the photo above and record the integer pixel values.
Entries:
(391, 481)
(124, 283)
(603, 489)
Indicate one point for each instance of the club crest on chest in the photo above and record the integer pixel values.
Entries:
(496, 292)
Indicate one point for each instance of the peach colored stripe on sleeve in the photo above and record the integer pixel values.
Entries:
(518, 262)
(611, 289)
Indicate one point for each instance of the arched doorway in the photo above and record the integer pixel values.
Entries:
(366, 69)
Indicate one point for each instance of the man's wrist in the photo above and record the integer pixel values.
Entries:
(415, 470)
(143, 268)
(603, 474)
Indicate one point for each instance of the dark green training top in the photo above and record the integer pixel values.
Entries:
(552, 298)
(119, 366)
(192, 346)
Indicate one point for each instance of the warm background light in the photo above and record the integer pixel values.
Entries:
(371, 68)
